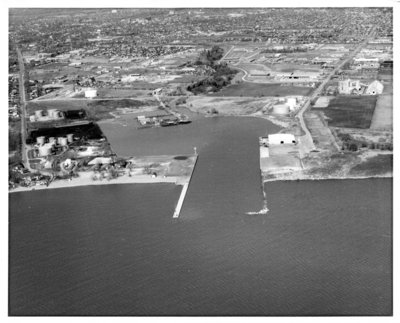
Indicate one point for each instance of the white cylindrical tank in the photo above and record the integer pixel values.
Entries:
(39, 113)
(70, 137)
(40, 140)
(281, 109)
(44, 150)
(90, 93)
(64, 141)
(291, 102)
(52, 140)
(51, 113)
(32, 118)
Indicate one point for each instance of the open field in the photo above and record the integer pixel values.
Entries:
(350, 112)
(282, 158)
(322, 135)
(287, 67)
(376, 165)
(62, 105)
(254, 68)
(383, 114)
(226, 105)
(121, 93)
(258, 90)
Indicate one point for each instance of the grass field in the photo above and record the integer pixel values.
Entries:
(258, 90)
(56, 104)
(383, 115)
(376, 165)
(350, 112)
(121, 93)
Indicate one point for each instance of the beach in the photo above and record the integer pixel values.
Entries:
(85, 178)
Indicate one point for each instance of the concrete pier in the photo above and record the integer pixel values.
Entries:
(180, 201)
(183, 193)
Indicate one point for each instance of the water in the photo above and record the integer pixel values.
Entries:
(323, 248)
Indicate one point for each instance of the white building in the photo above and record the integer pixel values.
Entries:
(374, 88)
(90, 93)
(349, 86)
(281, 139)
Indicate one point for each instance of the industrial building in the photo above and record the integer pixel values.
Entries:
(278, 139)
(90, 93)
(374, 88)
(356, 87)
(349, 86)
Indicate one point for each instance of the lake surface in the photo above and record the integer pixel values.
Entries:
(324, 248)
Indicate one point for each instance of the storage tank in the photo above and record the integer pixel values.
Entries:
(63, 141)
(51, 113)
(57, 114)
(44, 150)
(52, 140)
(281, 109)
(40, 140)
(39, 113)
(70, 137)
(90, 93)
(32, 118)
(291, 102)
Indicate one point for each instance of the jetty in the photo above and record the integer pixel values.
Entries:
(184, 191)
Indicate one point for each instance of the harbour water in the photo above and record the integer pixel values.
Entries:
(324, 248)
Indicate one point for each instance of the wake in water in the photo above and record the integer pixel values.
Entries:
(262, 211)
(265, 209)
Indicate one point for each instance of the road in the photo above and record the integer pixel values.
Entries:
(227, 53)
(169, 110)
(22, 93)
(324, 82)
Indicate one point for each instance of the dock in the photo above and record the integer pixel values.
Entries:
(183, 192)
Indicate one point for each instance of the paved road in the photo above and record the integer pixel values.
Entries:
(169, 110)
(22, 93)
(227, 53)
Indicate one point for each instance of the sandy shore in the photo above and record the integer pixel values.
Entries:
(302, 177)
(85, 178)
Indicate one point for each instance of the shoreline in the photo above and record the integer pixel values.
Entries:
(86, 180)
(147, 179)
(321, 178)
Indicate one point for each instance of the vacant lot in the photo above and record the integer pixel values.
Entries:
(121, 93)
(226, 105)
(258, 90)
(350, 112)
(383, 115)
(57, 104)
(288, 67)
(380, 164)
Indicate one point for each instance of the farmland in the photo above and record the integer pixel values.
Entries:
(350, 112)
